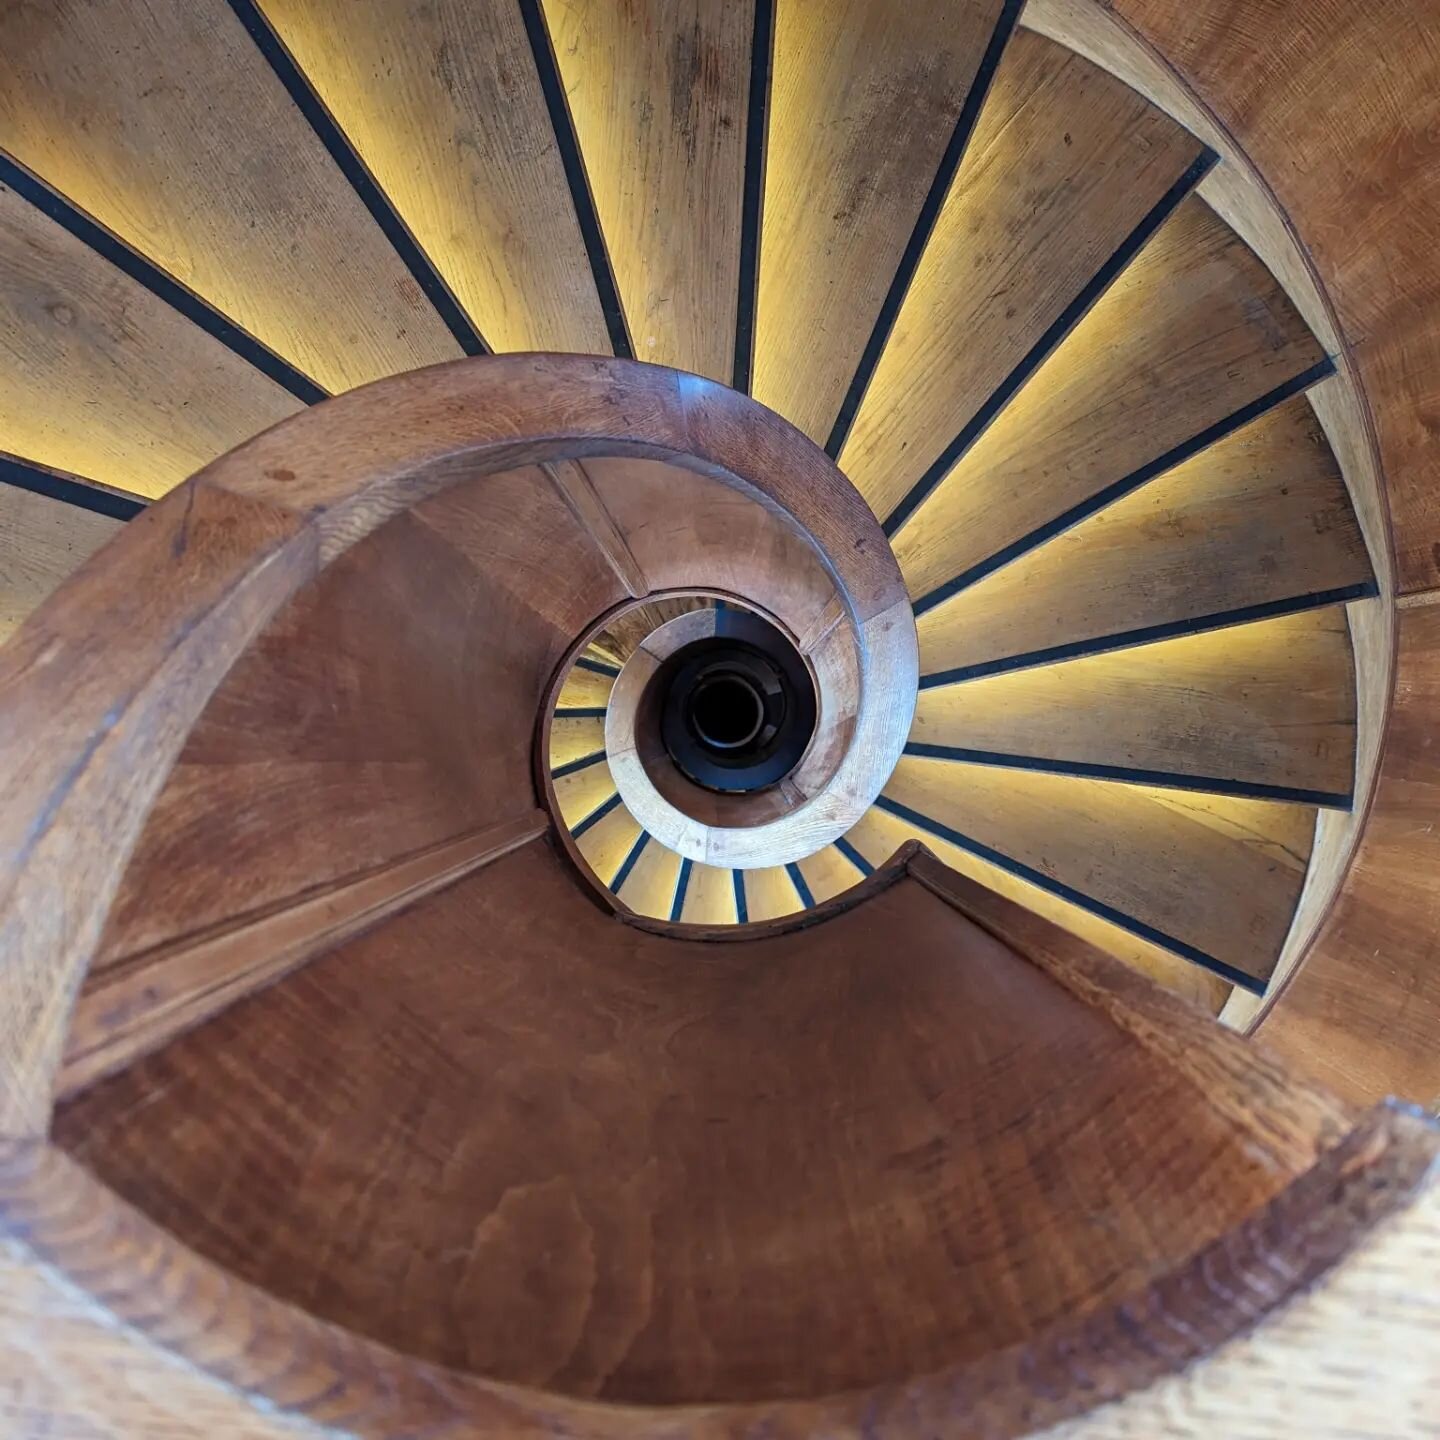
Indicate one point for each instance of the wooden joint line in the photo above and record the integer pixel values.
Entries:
(583, 500)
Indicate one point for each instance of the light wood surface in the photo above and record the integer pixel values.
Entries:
(658, 93)
(43, 541)
(605, 844)
(574, 483)
(1259, 517)
(578, 739)
(709, 896)
(1218, 873)
(863, 102)
(246, 209)
(880, 834)
(770, 894)
(127, 1010)
(577, 796)
(100, 378)
(1193, 331)
(650, 887)
(1064, 164)
(443, 103)
(828, 873)
(1270, 703)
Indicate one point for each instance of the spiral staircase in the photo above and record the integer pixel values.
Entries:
(668, 661)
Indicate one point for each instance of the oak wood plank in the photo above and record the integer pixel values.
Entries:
(864, 100)
(657, 92)
(1270, 703)
(828, 873)
(576, 739)
(43, 541)
(649, 889)
(769, 894)
(1216, 873)
(443, 103)
(247, 209)
(709, 896)
(100, 378)
(1192, 332)
(1260, 517)
(1065, 162)
(605, 844)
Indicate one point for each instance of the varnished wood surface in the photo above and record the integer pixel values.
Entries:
(1271, 703)
(769, 894)
(620, 1195)
(828, 873)
(1259, 517)
(864, 101)
(1347, 146)
(247, 208)
(101, 378)
(649, 889)
(1214, 872)
(709, 896)
(605, 844)
(43, 541)
(1193, 331)
(658, 93)
(1065, 163)
(443, 103)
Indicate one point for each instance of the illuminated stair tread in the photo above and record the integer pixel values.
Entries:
(649, 889)
(607, 843)
(828, 873)
(769, 894)
(709, 896)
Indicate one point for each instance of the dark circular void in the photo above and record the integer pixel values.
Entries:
(739, 706)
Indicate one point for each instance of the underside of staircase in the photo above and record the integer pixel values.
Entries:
(718, 718)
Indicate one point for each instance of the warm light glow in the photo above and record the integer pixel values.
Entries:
(606, 843)
(649, 889)
(578, 794)
(829, 873)
(709, 896)
(575, 739)
(770, 894)
(584, 690)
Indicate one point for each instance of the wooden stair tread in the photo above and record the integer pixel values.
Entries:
(443, 103)
(828, 873)
(1065, 162)
(605, 844)
(769, 894)
(247, 210)
(1267, 704)
(575, 739)
(709, 895)
(1260, 518)
(649, 889)
(1194, 331)
(1216, 875)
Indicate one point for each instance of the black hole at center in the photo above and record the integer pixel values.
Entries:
(726, 711)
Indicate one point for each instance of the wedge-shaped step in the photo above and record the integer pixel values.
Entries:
(1213, 878)
(769, 894)
(1258, 524)
(166, 124)
(606, 845)
(868, 117)
(586, 796)
(658, 93)
(44, 540)
(1260, 709)
(575, 741)
(880, 834)
(585, 691)
(1068, 174)
(825, 874)
(1182, 347)
(648, 886)
(443, 102)
(705, 895)
(104, 380)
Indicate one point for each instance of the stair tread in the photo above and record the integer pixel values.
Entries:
(1216, 874)
(1194, 331)
(709, 896)
(649, 889)
(770, 894)
(1066, 161)
(1260, 517)
(828, 873)
(1271, 703)
(606, 844)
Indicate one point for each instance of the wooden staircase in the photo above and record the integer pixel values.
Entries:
(394, 394)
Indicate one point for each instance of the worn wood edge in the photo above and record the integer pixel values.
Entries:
(880, 879)
(578, 492)
(147, 999)
(285, 1359)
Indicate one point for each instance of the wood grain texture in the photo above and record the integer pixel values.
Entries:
(1193, 331)
(1270, 703)
(650, 888)
(658, 94)
(247, 210)
(769, 894)
(128, 1009)
(1302, 96)
(1362, 1009)
(828, 873)
(879, 835)
(1064, 164)
(864, 100)
(44, 540)
(584, 690)
(709, 897)
(660, 1230)
(578, 490)
(1214, 872)
(103, 379)
(605, 844)
(577, 739)
(1259, 517)
(443, 103)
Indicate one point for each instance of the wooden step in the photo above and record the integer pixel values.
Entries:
(770, 894)
(705, 895)
(1067, 176)
(169, 127)
(826, 874)
(606, 844)
(443, 102)
(649, 888)
(1266, 709)
(1180, 349)
(1212, 878)
(102, 378)
(1258, 524)
(574, 740)
(880, 834)
(870, 111)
